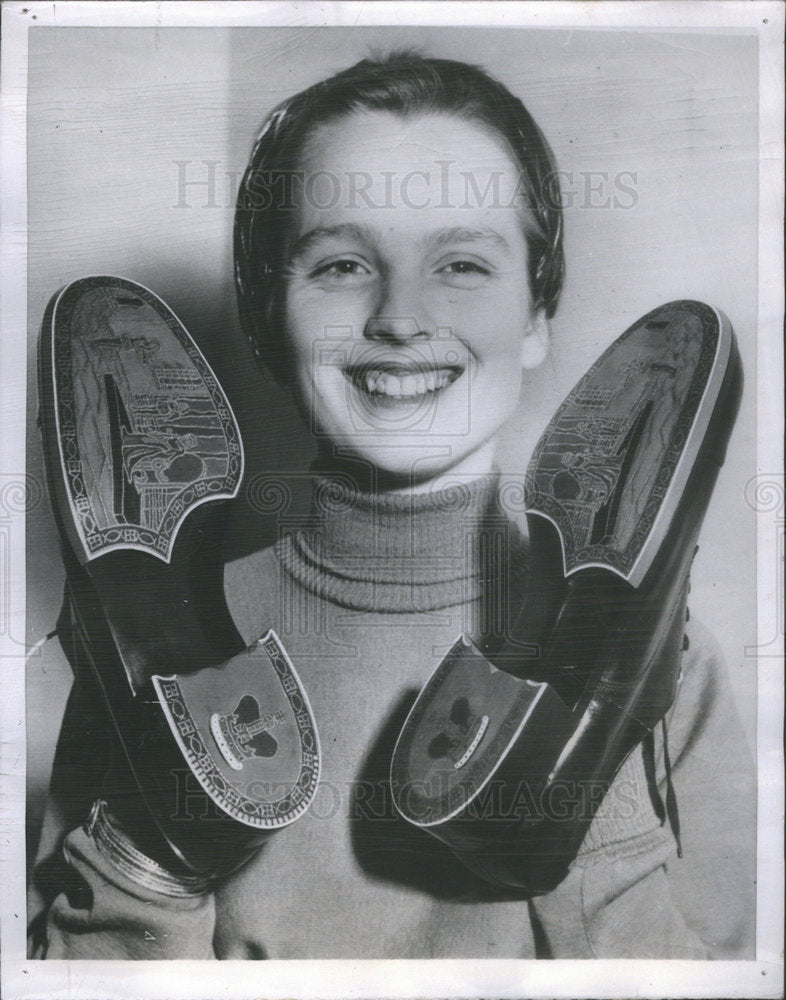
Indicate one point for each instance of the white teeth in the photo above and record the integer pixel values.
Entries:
(383, 383)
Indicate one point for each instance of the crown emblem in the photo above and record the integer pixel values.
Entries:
(457, 733)
(245, 732)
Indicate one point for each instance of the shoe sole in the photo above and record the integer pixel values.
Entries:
(119, 490)
(633, 427)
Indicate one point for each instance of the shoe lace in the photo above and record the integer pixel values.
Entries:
(670, 810)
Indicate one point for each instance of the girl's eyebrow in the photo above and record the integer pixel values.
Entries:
(352, 230)
(372, 235)
(462, 234)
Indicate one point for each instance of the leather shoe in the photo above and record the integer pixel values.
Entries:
(511, 745)
(142, 453)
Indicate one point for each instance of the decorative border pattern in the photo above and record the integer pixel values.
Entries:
(246, 810)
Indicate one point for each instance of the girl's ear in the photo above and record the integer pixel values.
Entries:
(535, 345)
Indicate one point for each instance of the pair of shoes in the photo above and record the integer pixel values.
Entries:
(142, 452)
(510, 747)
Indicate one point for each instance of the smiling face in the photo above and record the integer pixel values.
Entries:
(408, 308)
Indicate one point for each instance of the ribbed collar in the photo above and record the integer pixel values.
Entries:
(400, 552)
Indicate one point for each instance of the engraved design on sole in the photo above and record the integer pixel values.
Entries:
(164, 429)
(611, 467)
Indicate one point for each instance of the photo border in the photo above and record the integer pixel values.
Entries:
(405, 978)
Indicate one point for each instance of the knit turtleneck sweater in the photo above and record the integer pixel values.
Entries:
(400, 552)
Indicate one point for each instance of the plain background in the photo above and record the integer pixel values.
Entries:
(118, 117)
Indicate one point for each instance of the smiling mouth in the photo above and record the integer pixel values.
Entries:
(401, 382)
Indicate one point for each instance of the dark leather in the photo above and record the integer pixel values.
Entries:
(599, 660)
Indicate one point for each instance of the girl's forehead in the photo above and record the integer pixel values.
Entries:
(385, 139)
(440, 170)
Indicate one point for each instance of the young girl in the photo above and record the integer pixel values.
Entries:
(398, 257)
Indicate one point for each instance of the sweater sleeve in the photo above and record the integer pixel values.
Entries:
(627, 894)
(80, 906)
(104, 915)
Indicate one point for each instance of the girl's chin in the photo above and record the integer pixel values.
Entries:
(390, 465)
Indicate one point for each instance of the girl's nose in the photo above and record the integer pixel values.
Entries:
(400, 315)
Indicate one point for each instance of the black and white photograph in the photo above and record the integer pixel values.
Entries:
(392, 506)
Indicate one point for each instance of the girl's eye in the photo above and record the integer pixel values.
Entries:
(465, 267)
(338, 269)
(465, 273)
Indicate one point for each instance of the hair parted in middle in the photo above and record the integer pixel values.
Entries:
(405, 84)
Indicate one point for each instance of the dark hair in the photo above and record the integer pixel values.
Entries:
(405, 84)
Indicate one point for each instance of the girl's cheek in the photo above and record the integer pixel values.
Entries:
(347, 314)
